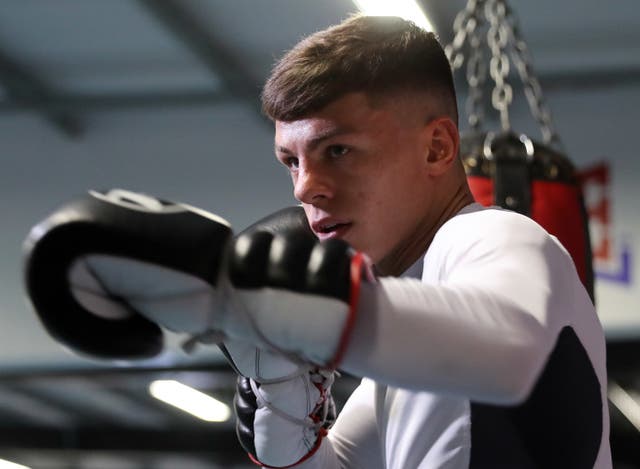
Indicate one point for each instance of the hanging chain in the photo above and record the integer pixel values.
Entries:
(497, 38)
(505, 41)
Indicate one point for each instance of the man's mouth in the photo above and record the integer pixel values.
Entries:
(326, 229)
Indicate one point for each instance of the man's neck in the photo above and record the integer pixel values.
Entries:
(409, 250)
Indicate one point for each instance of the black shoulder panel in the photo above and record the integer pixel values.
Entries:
(558, 426)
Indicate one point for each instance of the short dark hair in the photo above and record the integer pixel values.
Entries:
(375, 55)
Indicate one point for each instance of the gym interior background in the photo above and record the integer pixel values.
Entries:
(161, 96)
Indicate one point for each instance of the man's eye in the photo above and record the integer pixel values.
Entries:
(336, 151)
(291, 162)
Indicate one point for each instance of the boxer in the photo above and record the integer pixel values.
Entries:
(477, 344)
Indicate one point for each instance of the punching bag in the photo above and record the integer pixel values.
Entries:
(517, 173)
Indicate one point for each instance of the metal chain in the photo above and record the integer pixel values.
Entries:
(463, 25)
(532, 89)
(476, 75)
(497, 38)
(505, 41)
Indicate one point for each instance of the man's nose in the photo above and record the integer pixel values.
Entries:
(312, 185)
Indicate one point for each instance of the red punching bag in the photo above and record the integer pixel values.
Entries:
(535, 180)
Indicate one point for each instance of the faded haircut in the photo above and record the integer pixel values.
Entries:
(375, 55)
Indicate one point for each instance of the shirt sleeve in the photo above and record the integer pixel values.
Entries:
(484, 330)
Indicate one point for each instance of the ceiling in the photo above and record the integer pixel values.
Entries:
(67, 58)
(92, 92)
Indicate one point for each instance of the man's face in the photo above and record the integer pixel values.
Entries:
(359, 171)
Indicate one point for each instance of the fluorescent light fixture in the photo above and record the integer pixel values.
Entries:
(407, 9)
(626, 403)
(190, 400)
(4, 464)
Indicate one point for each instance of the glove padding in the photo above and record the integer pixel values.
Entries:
(299, 296)
(115, 225)
(261, 364)
(103, 265)
(282, 424)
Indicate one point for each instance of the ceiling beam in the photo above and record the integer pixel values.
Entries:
(186, 27)
(623, 358)
(594, 78)
(119, 101)
(23, 87)
(573, 80)
(70, 103)
(182, 439)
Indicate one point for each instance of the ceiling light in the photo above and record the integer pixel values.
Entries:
(407, 9)
(4, 464)
(625, 402)
(190, 400)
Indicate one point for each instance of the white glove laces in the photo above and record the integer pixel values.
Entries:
(323, 380)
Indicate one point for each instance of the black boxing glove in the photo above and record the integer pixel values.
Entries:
(248, 359)
(278, 299)
(103, 271)
(280, 421)
(300, 295)
(78, 281)
(108, 271)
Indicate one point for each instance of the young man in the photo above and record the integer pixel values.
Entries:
(487, 352)
(477, 343)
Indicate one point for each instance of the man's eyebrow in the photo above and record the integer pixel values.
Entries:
(279, 149)
(313, 143)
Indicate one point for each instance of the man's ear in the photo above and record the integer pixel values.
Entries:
(443, 143)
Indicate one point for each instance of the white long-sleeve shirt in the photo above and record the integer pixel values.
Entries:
(492, 358)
